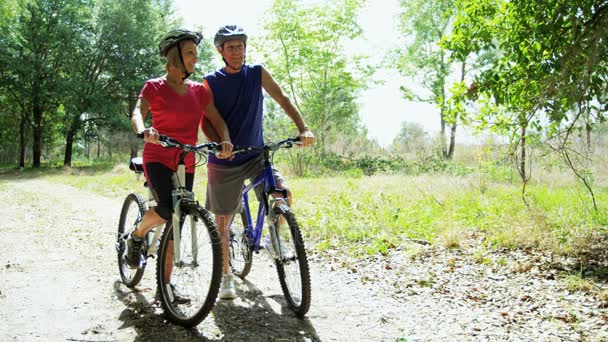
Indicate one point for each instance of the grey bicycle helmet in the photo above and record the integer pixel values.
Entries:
(229, 32)
(176, 36)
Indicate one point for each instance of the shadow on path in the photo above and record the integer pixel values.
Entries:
(255, 317)
(250, 317)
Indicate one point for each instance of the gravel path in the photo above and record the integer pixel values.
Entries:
(60, 283)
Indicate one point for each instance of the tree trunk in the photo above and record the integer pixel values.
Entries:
(69, 143)
(37, 143)
(589, 148)
(452, 140)
(22, 126)
(98, 147)
(463, 69)
(523, 155)
(444, 151)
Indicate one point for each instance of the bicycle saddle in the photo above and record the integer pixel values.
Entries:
(137, 164)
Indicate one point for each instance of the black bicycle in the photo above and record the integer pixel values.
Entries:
(187, 285)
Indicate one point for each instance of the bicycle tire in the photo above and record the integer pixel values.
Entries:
(198, 279)
(128, 219)
(241, 248)
(297, 291)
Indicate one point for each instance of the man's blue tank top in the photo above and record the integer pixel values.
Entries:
(239, 99)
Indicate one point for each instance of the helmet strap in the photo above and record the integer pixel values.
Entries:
(181, 59)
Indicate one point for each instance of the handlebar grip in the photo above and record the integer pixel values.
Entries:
(161, 137)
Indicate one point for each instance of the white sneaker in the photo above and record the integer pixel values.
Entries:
(227, 290)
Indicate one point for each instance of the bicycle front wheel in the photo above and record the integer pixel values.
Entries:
(292, 263)
(188, 288)
(133, 210)
(240, 246)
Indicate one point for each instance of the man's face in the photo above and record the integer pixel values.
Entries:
(234, 53)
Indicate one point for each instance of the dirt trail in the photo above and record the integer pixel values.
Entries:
(59, 282)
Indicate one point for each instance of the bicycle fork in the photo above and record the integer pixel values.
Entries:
(181, 195)
(276, 247)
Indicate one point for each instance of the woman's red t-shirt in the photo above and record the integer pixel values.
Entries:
(174, 115)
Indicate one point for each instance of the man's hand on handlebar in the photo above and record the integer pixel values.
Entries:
(226, 152)
(307, 138)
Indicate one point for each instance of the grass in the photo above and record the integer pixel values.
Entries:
(576, 283)
(370, 215)
(380, 212)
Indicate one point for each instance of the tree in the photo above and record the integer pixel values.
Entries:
(549, 66)
(37, 48)
(116, 56)
(411, 136)
(424, 24)
(303, 51)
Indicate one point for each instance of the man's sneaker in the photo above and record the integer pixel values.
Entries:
(134, 250)
(227, 290)
(173, 296)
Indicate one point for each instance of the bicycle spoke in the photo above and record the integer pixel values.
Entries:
(190, 293)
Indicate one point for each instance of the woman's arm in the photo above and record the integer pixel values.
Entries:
(142, 108)
(218, 130)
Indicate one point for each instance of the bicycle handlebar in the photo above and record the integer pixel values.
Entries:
(287, 143)
(207, 148)
(215, 148)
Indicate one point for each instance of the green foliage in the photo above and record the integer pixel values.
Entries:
(74, 68)
(410, 137)
(543, 72)
(423, 24)
(303, 51)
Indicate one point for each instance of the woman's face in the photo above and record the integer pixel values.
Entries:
(189, 54)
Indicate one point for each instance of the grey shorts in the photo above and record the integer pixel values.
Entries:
(225, 185)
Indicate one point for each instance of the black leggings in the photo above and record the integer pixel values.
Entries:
(159, 181)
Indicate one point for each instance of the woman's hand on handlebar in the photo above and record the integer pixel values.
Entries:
(151, 135)
(226, 152)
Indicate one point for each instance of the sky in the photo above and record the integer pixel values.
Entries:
(382, 109)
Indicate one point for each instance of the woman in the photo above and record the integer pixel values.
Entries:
(177, 106)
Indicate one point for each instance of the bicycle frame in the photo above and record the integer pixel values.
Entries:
(266, 179)
(180, 195)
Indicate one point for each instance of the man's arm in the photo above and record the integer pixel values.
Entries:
(273, 89)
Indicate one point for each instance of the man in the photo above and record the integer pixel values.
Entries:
(236, 91)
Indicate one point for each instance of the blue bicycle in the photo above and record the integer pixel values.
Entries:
(286, 245)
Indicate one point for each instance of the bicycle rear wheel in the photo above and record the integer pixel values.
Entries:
(133, 210)
(292, 268)
(189, 293)
(240, 246)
